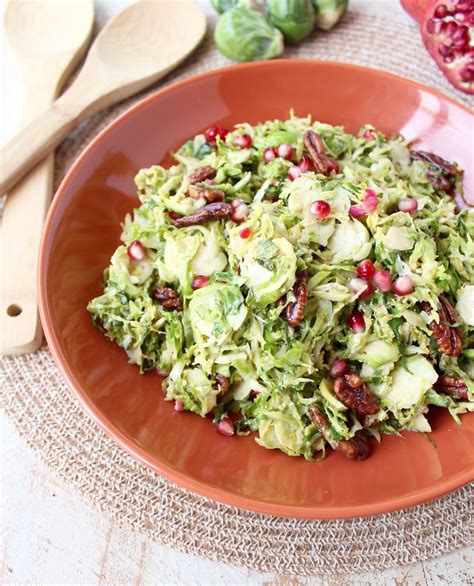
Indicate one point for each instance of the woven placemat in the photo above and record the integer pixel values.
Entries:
(44, 412)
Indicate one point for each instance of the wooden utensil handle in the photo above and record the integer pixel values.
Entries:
(33, 143)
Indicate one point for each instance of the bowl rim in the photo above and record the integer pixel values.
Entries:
(219, 494)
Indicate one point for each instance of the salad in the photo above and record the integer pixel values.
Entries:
(300, 282)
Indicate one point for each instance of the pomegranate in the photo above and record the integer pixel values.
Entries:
(306, 164)
(366, 269)
(294, 172)
(408, 205)
(269, 154)
(178, 405)
(245, 232)
(241, 212)
(383, 280)
(403, 286)
(447, 30)
(285, 151)
(338, 368)
(361, 286)
(244, 141)
(371, 200)
(199, 282)
(357, 211)
(213, 132)
(136, 250)
(356, 322)
(320, 209)
(225, 427)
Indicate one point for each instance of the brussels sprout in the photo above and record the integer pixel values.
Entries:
(295, 18)
(329, 12)
(243, 34)
(222, 5)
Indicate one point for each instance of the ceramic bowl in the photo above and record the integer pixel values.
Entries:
(82, 231)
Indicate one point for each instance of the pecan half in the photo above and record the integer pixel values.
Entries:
(316, 149)
(222, 384)
(448, 338)
(442, 174)
(209, 213)
(202, 174)
(357, 448)
(318, 418)
(351, 390)
(294, 312)
(210, 195)
(452, 385)
(168, 298)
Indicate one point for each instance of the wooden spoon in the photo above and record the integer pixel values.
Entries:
(48, 39)
(138, 47)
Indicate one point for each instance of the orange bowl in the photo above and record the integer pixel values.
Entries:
(82, 231)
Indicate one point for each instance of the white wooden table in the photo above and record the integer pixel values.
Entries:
(50, 536)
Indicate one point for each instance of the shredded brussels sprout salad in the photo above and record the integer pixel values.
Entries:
(300, 282)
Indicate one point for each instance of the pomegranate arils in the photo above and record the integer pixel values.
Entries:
(269, 154)
(245, 232)
(320, 209)
(382, 280)
(465, 5)
(240, 213)
(441, 11)
(306, 164)
(244, 141)
(366, 269)
(285, 151)
(357, 211)
(361, 286)
(356, 322)
(371, 201)
(338, 368)
(225, 427)
(253, 395)
(199, 282)
(294, 172)
(213, 132)
(235, 203)
(434, 27)
(178, 405)
(368, 135)
(408, 205)
(403, 286)
(136, 250)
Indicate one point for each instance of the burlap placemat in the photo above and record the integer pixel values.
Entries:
(45, 413)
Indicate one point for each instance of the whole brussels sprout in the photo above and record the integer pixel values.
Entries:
(243, 34)
(329, 12)
(222, 5)
(295, 18)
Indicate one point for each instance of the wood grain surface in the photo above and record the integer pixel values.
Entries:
(48, 535)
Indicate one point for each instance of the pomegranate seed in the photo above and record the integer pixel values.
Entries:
(461, 17)
(136, 250)
(306, 164)
(368, 135)
(178, 405)
(285, 151)
(199, 282)
(294, 172)
(444, 50)
(320, 209)
(382, 280)
(441, 11)
(449, 28)
(361, 286)
(213, 132)
(245, 232)
(403, 286)
(240, 213)
(161, 372)
(338, 368)
(434, 27)
(371, 201)
(244, 141)
(357, 211)
(467, 74)
(225, 427)
(269, 154)
(366, 269)
(464, 5)
(254, 394)
(174, 215)
(408, 205)
(235, 203)
(333, 166)
(356, 322)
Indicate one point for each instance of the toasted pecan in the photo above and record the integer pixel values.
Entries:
(294, 312)
(208, 213)
(351, 390)
(452, 385)
(448, 338)
(202, 174)
(210, 195)
(316, 149)
(168, 298)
